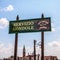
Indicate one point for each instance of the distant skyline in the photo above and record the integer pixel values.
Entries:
(28, 9)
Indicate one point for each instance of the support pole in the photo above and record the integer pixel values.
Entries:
(42, 43)
(16, 42)
(34, 49)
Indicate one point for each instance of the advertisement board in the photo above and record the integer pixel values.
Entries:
(30, 25)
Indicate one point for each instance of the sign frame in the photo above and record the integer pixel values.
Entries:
(25, 31)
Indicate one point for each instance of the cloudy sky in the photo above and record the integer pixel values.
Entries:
(28, 9)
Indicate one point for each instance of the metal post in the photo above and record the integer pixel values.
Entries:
(34, 49)
(16, 42)
(42, 43)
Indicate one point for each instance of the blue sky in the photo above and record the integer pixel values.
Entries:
(28, 9)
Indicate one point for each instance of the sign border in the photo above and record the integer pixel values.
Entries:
(29, 30)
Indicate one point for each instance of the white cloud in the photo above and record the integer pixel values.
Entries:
(6, 51)
(53, 49)
(28, 50)
(54, 44)
(8, 8)
(52, 24)
(3, 23)
(53, 27)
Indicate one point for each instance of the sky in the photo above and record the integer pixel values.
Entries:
(28, 9)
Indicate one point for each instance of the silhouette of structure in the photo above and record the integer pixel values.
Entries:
(24, 51)
(31, 57)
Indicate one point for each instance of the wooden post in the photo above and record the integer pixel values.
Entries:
(29, 57)
(34, 49)
(16, 42)
(42, 43)
(38, 57)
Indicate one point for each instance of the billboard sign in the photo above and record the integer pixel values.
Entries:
(30, 25)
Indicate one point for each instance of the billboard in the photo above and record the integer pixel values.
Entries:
(30, 25)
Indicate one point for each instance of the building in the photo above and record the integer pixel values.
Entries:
(31, 57)
(50, 58)
(24, 51)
